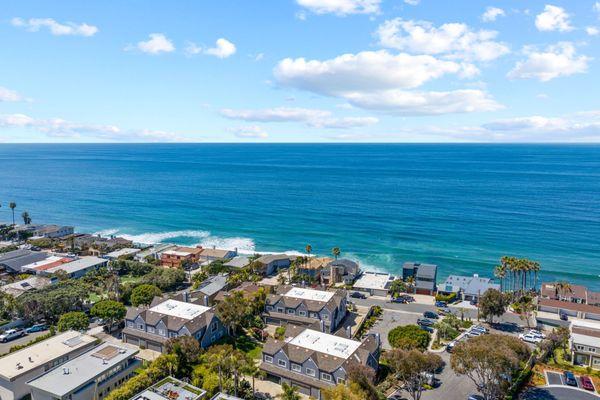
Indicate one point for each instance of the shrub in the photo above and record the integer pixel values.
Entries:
(280, 332)
(75, 320)
(448, 298)
(409, 337)
(143, 294)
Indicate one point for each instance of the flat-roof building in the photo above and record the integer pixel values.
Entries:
(14, 261)
(305, 306)
(125, 252)
(90, 376)
(424, 275)
(79, 267)
(467, 287)
(374, 283)
(238, 262)
(171, 389)
(21, 366)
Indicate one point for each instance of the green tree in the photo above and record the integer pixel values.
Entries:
(344, 392)
(75, 320)
(492, 304)
(397, 286)
(411, 367)
(144, 294)
(489, 361)
(26, 218)
(187, 349)
(233, 311)
(109, 310)
(53, 301)
(290, 392)
(409, 337)
(12, 205)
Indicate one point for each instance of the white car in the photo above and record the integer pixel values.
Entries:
(528, 337)
(11, 334)
(537, 333)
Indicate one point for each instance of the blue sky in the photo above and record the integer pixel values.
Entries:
(300, 71)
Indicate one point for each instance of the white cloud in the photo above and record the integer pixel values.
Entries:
(592, 31)
(452, 40)
(341, 7)
(7, 95)
(412, 2)
(55, 28)
(60, 128)
(402, 102)
(156, 44)
(365, 71)
(311, 117)
(491, 13)
(596, 7)
(556, 60)
(223, 49)
(192, 49)
(249, 132)
(553, 18)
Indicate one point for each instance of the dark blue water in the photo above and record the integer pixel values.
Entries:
(459, 206)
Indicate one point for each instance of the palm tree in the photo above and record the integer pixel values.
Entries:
(336, 252)
(26, 218)
(12, 206)
(410, 282)
(500, 273)
(290, 392)
(562, 288)
(254, 372)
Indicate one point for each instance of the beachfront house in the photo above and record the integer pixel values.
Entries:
(151, 327)
(238, 262)
(153, 253)
(340, 270)
(313, 267)
(468, 288)
(374, 283)
(304, 306)
(273, 262)
(424, 276)
(214, 254)
(312, 360)
(179, 256)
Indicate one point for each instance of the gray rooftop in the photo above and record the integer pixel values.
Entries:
(238, 262)
(16, 259)
(79, 371)
(213, 285)
(82, 263)
(170, 389)
(269, 258)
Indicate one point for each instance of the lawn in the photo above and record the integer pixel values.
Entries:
(130, 279)
(246, 344)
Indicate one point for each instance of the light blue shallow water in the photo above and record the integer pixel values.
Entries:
(460, 206)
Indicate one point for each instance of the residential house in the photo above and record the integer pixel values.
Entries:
(374, 283)
(52, 261)
(248, 290)
(341, 270)
(126, 252)
(467, 287)
(313, 267)
(52, 231)
(214, 254)
(12, 262)
(21, 366)
(424, 275)
(168, 318)
(273, 262)
(97, 245)
(90, 376)
(238, 262)
(74, 268)
(18, 288)
(206, 292)
(170, 388)
(585, 343)
(576, 301)
(153, 252)
(312, 360)
(304, 306)
(179, 255)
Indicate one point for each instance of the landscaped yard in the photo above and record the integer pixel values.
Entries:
(246, 344)
(559, 364)
(130, 279)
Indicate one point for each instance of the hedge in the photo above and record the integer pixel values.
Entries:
(448, 298)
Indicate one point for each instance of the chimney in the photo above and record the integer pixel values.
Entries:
(186, 296)
(322, 325)
(206, 300)
(349, 332)
(65, 371)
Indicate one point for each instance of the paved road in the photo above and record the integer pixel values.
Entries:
(5, 347)
(557, 393)
(391, 319)
(452, 386)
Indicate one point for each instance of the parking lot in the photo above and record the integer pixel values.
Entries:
(391, 319)
(556, 378)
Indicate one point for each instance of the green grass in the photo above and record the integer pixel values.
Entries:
(130, 279)
(245, 344)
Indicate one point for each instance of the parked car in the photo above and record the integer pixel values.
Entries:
(400, 300)
(36, 328)
(426, 328)
(570, 378)
(357, 295)
(537, 333)
(11, 334)
(441, 304)
(564, 316)
(473, 302)
(529, 338)
(425, 322)
(444, 311)
(479, 328)
(586, 383)
(475, 397)
(474, 333)
(450, 346)
(430, 314)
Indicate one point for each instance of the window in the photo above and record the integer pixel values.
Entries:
(291, 311)
(280, 309)
(310, 371)
(130, 324)
(151, 329)
(161, 332)
(213, 327)
(269, 308)
(173, 334)
(325, 317)
(141, 326)
(282, 363)
(302, 313)
(268, 359)
(314, 315)
(296, 367)
(341, 380)
(325, 377)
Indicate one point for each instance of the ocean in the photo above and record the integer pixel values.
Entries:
(461, 206)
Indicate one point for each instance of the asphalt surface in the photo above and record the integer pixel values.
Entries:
(5, 347)
(557, 393)
(451, 386)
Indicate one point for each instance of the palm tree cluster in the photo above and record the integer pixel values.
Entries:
(517, 274)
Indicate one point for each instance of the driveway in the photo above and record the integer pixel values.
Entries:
(391, 319)
(5, 347)
(557, 393)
